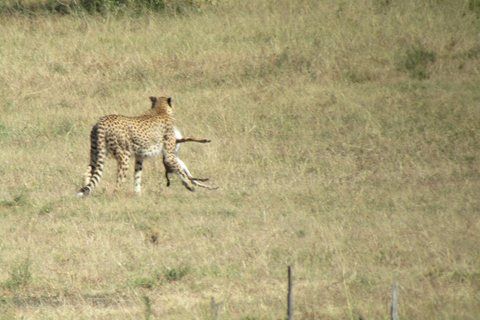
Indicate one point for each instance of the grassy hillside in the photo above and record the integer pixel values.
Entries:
(345, 141)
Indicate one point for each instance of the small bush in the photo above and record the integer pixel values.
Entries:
(160, 276)
(19, 200)
(28, 8)
(474, 6)
(20, 275)
(174, 7)
(148, 283)
(175, 274)
(103, 6)
(416, 61)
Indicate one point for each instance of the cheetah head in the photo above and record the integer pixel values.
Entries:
(162, 104)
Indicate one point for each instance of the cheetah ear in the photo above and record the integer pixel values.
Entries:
(169, 101)
(154, 101)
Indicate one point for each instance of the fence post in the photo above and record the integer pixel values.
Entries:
(394, 309)
(215, 307)
(290, 295)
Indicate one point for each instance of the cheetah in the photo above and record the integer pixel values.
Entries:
(144, 136)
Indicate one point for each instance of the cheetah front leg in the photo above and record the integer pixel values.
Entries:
(138, 174)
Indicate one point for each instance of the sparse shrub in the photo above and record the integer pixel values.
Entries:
(473, 52)
(416, 61)
(19, 200)
(474, 6)
(46, 209)
(114, 5)
(301, 233)
(20, 275)
(358, 76)
(175, 274)
(148, 283)
(159, 276)
(30, 7)
(102, 6)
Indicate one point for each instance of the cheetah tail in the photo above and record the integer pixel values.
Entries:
(98, 155)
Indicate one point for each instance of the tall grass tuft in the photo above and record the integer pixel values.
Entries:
(20, 275)
(417, 60)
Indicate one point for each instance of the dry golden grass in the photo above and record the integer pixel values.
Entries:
(345, 140)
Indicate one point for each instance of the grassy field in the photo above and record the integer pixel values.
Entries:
(345, 141)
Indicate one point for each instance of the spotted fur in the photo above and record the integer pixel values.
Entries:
(144, 136)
